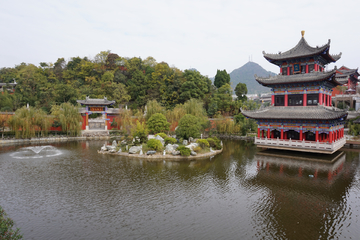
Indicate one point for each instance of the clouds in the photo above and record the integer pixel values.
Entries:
(206, 35)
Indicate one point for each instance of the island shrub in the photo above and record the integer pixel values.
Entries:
(189, 126)
(214, 142)
(203, 143)
(197, 149)
(157, 123)
(184, 151)
(140, 131)
(170, 140)
(154, 144)
(163, 135)
(6, 227)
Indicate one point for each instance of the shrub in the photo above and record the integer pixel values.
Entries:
(203, 143)
(189, 126)
(197, 149)
(154, 144)
(184, 151)
(163, 135)
(6, 227)
(214, 142)
(170, 140)
(140, 131)
(157, 123)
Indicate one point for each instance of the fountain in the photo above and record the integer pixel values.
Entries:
(36, 152)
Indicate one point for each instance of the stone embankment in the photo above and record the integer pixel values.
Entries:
(160, 157)
(52, 139)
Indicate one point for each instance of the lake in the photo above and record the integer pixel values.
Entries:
(69, 191)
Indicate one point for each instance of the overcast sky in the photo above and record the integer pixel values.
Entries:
(206, 35)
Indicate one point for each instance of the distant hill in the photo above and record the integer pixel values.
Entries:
(245, 74)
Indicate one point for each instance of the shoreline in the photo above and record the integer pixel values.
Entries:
(159, 157)
(6, 142)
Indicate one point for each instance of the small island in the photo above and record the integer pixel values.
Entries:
(160, 146)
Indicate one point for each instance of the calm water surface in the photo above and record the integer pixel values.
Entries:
(69, 191)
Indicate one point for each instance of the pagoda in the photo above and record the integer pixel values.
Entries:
(301, 116)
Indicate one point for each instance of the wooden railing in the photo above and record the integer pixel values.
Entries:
(325, 146)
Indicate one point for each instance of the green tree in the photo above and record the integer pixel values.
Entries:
(42, 122)
(69, 117)
(221, 78)
(23, 122)
(140, 131)
(6, 101)
(6, 227)
(157, 123)
(189, 126)
(101, 57)
(195, 107)
(120, 95)
(3, 122)
(153, 107)
(195, 86)
(65, 93)
(241, 91)
(136, 87)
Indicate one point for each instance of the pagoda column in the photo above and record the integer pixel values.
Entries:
(258, 132)
(288, 70)
(86, 121)
(282, 134)
(317, 135)
(280, 70)
(300, 135)
(268, 133)
(329, 103)
(305, 98)
(272, 99)
(315, 67)
(320, 98)
(307, 68)
(332, 136)
(286, 99)
(325, 104)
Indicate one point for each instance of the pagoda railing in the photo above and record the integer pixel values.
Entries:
(324, 146)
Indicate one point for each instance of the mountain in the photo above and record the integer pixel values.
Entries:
(245, 74)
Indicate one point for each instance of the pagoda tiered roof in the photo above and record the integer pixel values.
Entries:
(344, 73)
(298, 78)
(296, 113)
(302, 50)
(92, 102)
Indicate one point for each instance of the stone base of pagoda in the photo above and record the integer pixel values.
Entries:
(302, 146)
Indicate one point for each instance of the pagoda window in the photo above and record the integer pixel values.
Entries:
(312, 99)
(311, 68)
(279, 100)
(293, 135)
(310, 136)
(290, 70)
(303, 68)
(295, 100)
(284, 71)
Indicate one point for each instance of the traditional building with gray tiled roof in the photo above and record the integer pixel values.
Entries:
(301, 116)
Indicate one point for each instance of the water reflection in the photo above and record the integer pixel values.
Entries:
(239, 194)
(306, 195)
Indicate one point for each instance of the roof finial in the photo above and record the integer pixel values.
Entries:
(302, 33)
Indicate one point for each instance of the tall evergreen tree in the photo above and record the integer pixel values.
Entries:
(221, 78)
